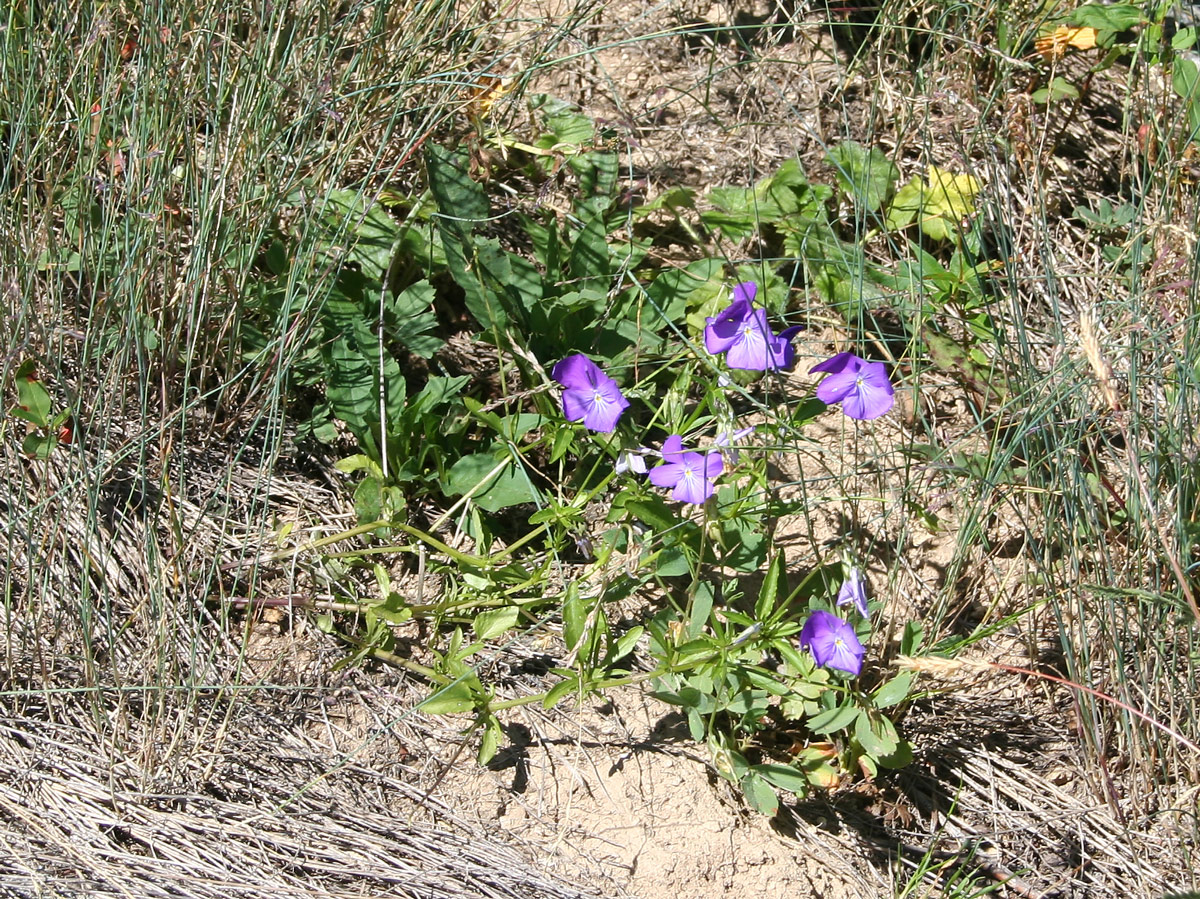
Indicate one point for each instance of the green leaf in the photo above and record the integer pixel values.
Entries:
(493, 483)
(702, 603)
(559, 690)
(769, 592)
(39, 446)
(785, 777)
(450, 699)
(904, 206)
(359, 462)
(947, 198)
(490, 742)
(894, 691)
(1106, 17)
(366, 228)
(1185, 79)
(760, 794)
(901, 756)
(495, 622)
(33, 400)
(1058, 89)
(627, 641)
(412, 319)
(910, 640)
(461, 205)
(745, 542)
(867, 176)
(832, 720)
(876, 734)
(672, 562)
(588, 264)
(574, 617)
(654, 513)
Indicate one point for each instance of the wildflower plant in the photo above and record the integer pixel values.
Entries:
(714, 660)
(637, 396)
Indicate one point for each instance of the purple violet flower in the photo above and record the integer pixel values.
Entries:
(854, 592)
(832, 642)
(861, 387)
(691, 475)
(591, 396)
(742, 333)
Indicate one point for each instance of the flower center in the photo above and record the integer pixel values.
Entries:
(839, 642)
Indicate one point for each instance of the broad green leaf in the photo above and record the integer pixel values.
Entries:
(494, 622)
(627, 641)
(745, 542)
(653, 513)
(894, 691)
(33, 400)
(588, 263)
(947, 199)
(1185, 79)
(39, 446)
(867, 176)
(902, 755)
(876, 734)
(1058, 89)
(450, 699)
(493, 483)
(413, 319)
(760, 794)
(1108, 17)
(785, 777)
(365, 228)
